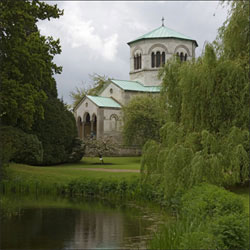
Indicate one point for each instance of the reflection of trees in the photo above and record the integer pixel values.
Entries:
(38, 229)
(95, 225)
(98, 229)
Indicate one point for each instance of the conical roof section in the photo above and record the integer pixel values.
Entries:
(162, 32)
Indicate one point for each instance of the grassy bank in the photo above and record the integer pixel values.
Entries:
(64, 173)
(73, 178)
(209, 217)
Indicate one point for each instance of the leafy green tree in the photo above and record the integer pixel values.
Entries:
(26, 61)
(98, 82)
(77, 95)
(19, 146)
(206, 135)
(56, 131)
(142, 119)
(28, 94)
(233, 37)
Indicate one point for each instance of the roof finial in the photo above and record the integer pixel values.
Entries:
(162, 21)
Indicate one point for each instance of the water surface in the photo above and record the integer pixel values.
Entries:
(49, 223)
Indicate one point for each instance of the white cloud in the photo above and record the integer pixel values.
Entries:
(110, 47)
(93, 34)
(79, 31)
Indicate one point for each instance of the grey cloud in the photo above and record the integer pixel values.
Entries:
(128, 20)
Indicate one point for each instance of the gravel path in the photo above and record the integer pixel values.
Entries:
(111, 170)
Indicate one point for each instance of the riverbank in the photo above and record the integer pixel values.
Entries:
(26, 178)
(76, 180)
(119, 176)
(64, 173)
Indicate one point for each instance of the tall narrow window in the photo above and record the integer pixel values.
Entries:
(139, 62)
(153, 59)
(185, 58)
(158, 59)
(134, 62)
(182, 57)
(163, 58)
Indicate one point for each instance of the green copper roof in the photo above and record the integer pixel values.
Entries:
(104, 101)
(162, 32)
(135, 86)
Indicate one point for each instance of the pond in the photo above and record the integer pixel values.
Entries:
(57, 223)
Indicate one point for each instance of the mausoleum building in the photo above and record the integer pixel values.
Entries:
(101, 116)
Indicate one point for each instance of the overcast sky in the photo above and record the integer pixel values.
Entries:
(94, 35)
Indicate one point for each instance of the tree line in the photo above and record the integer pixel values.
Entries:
(197, 129)
(36, 127)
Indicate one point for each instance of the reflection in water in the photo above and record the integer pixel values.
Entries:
(80, 225)
(97, 230)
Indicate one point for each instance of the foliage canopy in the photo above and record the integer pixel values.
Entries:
(142, 120)
(98, 82)
(26, 58)
(205, 138)
(28, 94)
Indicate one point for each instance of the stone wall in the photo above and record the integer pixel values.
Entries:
(115, 92)
(148, 75)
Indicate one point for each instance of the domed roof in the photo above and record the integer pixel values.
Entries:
(162, 32)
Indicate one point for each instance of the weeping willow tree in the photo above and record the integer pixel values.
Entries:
(206, 135)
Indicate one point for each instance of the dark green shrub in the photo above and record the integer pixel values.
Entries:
(21, 147)
(231, 231)
(57, 132)
(208, 201)
(78, 150)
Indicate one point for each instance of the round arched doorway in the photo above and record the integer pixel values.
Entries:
(87, 125)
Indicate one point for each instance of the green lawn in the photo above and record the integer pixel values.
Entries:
(66, 172)
(115, 163)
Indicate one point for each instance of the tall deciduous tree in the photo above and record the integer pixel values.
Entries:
(143, 119)
(233, 37)
(98, 82)
(206, 135)
(26, 58)
(28, 95)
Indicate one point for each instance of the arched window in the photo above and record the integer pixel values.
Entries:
(163, 58)
(153, 59)
(158, 59)
(185, 58)
(181, 56)
(139, 62)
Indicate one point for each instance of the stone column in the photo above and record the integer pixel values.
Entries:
(83, 124)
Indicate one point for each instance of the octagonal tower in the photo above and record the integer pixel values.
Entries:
(149, 52)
